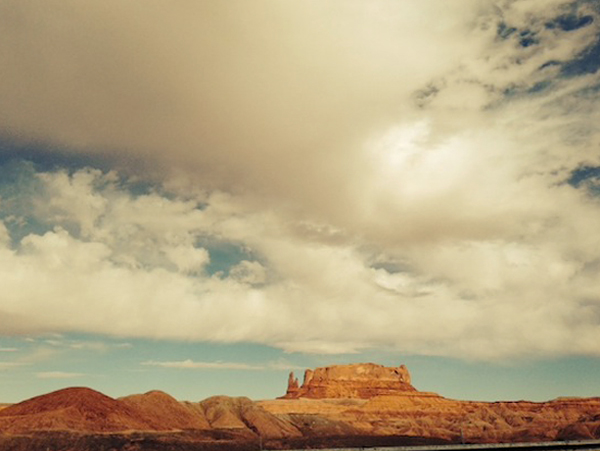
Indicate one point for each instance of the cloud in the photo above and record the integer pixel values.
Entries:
(28, 356)
(419, 298)
(58, 375)
(325, 177)
(9, 365)
(190, 364)
(252, 273)
(61, 344)
(293, 83)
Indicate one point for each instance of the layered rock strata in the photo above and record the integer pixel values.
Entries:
(380, 401)
(361, 380)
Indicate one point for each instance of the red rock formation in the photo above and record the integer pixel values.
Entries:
(419, 414)
(293, 386)
(351, 400)
(380, 401)
(587, 427)
(77, 408)
(361, 380)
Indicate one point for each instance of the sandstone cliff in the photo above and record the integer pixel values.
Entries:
(363, 380)
(379, 401)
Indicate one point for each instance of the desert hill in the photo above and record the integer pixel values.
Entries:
(358, 404)
(161, 412)
(86, 410)
(224, 412)
(76, 408)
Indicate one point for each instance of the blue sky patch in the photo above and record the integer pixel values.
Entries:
(504, 31)
(18, 188)
(587, 62)
(583, 173)
(528, 38)
(224, 255)
(570, 22)
(587, 177)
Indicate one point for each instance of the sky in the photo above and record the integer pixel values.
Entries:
(199, 196)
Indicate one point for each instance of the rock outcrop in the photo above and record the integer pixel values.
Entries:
(587, 427)
(421, 414)
(378, 401)
(293, 386)
(361, 380)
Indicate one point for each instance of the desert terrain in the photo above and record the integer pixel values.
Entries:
(343, 405)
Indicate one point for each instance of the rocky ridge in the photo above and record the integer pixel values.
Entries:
(85, 410)
(380, 401)
(346, 404)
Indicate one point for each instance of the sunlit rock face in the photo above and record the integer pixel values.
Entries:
(374, 400)
(360, 402)
(361, 380)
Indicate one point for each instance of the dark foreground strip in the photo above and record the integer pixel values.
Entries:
(539, 446)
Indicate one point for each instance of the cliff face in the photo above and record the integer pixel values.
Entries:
(362, 380)
(380, 401)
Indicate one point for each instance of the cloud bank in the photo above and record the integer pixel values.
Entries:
(317, 176)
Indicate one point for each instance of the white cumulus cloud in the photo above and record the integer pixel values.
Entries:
(320, 176)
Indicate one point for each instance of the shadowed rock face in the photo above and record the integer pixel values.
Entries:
(224, 412)
(362, 380)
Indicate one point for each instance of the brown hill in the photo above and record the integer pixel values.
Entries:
(164, 413)
(362, 380)
(224, 412)
(76, 408)
(85, 410)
